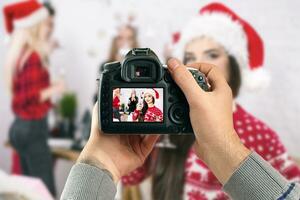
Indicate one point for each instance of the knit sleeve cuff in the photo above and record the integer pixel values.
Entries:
(256, 179)
(88, 182)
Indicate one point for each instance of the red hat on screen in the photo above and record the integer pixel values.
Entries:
(23, 14)
(153, 92)
(238, 37)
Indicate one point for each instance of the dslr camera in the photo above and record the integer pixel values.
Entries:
(138, 96)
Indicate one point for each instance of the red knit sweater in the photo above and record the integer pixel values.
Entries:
(153, 114)
(201, 184)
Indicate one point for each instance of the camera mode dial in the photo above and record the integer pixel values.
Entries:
(200, 78)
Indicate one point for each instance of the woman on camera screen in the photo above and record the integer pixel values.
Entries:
(132, 102)
(148, 112)
(116, 104)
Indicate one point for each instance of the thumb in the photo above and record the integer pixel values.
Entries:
(184, 79)
(95, 119)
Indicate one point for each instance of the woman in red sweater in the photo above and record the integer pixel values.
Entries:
(116, 104)
(28, 80)
(148, 112)
(220, 37)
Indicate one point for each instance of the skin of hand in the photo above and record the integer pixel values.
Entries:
(55, 89)
(60, 86)
(139, 107)
(217, 143)
(119, 154)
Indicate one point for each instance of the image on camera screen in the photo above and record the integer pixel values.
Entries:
(137, 105)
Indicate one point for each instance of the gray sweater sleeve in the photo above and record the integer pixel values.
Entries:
(257, 179)
(87, 182)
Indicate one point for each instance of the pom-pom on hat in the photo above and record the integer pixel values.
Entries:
(239, 39)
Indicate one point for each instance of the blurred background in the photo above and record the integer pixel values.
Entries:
(84, 30)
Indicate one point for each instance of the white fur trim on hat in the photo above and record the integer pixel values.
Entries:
(150, 91)
(219, 27)
(256, 79)
(230, 34)
(32, 19)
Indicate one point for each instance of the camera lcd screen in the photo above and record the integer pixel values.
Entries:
(137, 105)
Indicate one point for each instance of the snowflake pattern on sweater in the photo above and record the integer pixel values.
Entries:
(153, 114)
(200, 182)
(258, 137)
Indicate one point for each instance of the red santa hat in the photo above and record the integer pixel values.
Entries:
(23, 14)
(239, 39)
(153, 92)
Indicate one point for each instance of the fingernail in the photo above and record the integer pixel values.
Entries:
(173, 63)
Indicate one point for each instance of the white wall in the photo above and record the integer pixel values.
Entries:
(85, 27)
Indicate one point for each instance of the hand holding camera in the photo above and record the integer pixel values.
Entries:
(139, 107)
(119, 154)
(162, 106)
(211, 118)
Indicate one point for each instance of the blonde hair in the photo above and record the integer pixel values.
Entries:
(36, 44)
(22, 41)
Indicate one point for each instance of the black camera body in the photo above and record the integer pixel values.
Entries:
(138, 96)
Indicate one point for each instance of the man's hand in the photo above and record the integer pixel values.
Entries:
(119, 154)
(217, 143)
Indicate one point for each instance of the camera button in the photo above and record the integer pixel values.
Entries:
(173, 129)
(168, 77)
(177, 114)
(172, 90)
(200, 78)
(171, 99)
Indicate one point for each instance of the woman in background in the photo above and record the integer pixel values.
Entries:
(217, 36)
(125, 40)
(28, 80)
(132, 101)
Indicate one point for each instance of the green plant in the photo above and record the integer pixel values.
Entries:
(68, 105)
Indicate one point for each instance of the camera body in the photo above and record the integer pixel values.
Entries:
(139, 96)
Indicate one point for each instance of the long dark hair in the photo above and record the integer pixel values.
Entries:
(168, 172)
(235, 78)
(145, 106)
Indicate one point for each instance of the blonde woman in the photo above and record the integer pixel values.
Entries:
(28, 80)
